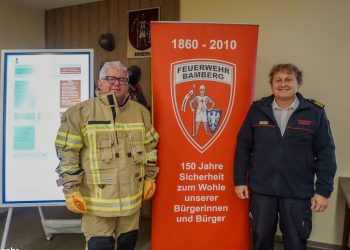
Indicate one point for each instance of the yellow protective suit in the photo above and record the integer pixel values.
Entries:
(106, 152)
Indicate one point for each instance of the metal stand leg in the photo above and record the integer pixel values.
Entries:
(7, 226)
(54, 226)
(48, 236)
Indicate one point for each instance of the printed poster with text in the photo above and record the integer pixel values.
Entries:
(203, 83)
(39, 86)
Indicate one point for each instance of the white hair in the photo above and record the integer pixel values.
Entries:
(114, 64)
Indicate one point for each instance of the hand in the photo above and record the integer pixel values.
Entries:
(149, 187)
(242, 192)
(319, 203)
(75, 203)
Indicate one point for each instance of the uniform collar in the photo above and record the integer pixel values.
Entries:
(303, 103)
(109, 100)
(265, 105)
(292, 106)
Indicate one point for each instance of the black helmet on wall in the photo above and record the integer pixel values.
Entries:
(134, 75)
(106, 41)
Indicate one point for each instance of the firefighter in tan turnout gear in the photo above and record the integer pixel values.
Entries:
(108, 161)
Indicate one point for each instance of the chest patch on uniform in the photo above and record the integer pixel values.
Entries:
(263, 122)
(304, 122)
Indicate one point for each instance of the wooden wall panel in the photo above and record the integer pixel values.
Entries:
(59, 29)
(80, 26)
(159, 3)
(113, 9)
(145, 64)
(171, 9)
(49, 25)
(123, 29)
(84, 27)
(103, 28)
(66, 28)
(75, 24)
(93, 34)
(133, 4)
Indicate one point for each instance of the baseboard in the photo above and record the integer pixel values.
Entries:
(316, 245)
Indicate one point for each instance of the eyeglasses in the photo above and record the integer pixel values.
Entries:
(113, 80)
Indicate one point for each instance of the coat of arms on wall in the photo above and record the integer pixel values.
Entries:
(139, 33)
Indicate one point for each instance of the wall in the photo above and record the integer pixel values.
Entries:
(21, 26)
(315, 36)
(80, 26)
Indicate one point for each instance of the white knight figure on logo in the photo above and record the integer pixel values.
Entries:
(202, 106)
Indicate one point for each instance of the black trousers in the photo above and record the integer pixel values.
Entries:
(294, 216)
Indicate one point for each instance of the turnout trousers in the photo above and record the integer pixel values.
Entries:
(102, 233)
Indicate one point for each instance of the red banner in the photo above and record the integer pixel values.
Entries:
(203, 84)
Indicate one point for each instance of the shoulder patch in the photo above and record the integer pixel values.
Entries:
(317, 103)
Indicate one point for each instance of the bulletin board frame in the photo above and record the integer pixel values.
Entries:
(37, 86)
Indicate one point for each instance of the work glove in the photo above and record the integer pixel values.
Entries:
(149, 186)
(75, 202)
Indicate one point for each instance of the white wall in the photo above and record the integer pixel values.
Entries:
(314, 35)
(21, 26)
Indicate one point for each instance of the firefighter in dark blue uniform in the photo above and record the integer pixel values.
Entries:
(284, 142)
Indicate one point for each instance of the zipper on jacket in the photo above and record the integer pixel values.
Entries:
(299, 109)
(114, 114)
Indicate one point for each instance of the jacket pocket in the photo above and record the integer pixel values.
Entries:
(305, 225)
(101, 179)
(137, 180)
(104, 147)
(102, 184)
(137, 152)
(137, 149)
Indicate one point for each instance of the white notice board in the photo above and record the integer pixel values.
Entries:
(37, 86)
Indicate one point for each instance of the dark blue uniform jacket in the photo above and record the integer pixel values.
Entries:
(286, 166)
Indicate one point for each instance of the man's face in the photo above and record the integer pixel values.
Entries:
(103, 87)
(119, 89)
(202, 92)
(284, 86)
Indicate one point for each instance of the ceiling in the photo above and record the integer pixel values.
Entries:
(52, 4)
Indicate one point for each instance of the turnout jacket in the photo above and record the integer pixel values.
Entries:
(105, 152)
(286, 165)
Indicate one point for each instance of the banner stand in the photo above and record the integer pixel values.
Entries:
(202, 84)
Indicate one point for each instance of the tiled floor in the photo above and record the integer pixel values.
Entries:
(26, 232)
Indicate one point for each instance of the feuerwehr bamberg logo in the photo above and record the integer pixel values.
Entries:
(202, 92)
